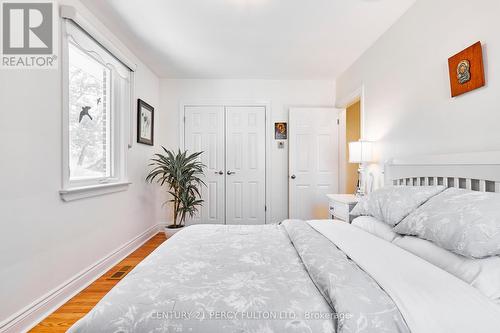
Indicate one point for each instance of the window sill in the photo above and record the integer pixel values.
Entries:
(77, 193)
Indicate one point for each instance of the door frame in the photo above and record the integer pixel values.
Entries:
(356, 95)
(269, 130)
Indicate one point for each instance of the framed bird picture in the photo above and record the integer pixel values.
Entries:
(145, 123)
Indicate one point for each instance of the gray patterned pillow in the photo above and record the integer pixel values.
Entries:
(462, 221)
(393, 203)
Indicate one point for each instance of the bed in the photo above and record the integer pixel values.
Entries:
(321, 276)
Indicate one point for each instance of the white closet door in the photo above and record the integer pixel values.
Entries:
(204, 131)
(245, 165)
(313, 161)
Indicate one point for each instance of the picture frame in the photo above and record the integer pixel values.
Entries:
(466, 70)
(280, 131)
(145, 123)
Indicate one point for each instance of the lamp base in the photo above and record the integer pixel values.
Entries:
(360, 191)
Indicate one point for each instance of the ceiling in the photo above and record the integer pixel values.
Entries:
(249, 39)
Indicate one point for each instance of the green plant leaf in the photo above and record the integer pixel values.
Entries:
(182, 173)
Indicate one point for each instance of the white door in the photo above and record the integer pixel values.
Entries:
(313, 161)
(204, 131)
(245, 165)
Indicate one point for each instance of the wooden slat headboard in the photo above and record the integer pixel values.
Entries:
(473, 171)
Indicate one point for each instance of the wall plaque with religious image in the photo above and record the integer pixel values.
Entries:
(280, 131)
(466, 70)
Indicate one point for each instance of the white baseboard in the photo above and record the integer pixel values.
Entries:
(32, 314)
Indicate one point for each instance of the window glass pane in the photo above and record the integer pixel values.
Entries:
(89, 117)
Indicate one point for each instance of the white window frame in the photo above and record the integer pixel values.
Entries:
(121, 127)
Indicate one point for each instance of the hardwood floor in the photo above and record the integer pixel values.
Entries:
(82, 303)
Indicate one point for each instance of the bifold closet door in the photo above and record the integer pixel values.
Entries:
(245, 165)
(204, 131)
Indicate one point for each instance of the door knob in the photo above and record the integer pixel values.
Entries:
(219, 172)
(293, 177)
(229, 173)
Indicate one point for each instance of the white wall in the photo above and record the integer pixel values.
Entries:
(280, 94)
(408, 108)
(44, 241)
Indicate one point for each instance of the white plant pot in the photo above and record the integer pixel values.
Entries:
(170, 232)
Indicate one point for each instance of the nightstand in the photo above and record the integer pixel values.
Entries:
(340, 206)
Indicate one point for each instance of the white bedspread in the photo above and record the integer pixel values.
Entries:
(430, 299)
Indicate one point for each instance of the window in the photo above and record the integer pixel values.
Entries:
(89, 117)
(97, 101)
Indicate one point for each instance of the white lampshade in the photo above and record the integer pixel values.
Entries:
(360, 152)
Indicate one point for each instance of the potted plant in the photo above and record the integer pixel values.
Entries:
(182, 173)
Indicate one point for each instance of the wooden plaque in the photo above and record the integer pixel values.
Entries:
(466, 70)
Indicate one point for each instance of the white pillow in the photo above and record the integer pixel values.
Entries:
(465, 222)
(463, 268)
(375, 227)
(482, 274)
(392, 204)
